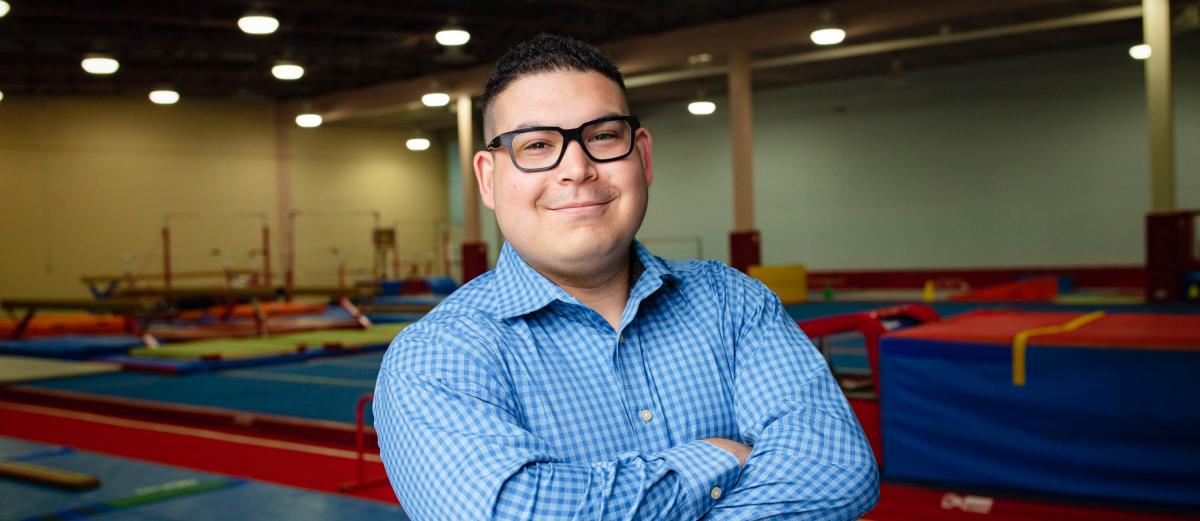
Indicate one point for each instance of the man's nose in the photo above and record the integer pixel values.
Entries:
(575, 165)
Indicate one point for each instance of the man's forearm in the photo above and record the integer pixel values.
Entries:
(503, 470)
(741, 451)
(787, 476)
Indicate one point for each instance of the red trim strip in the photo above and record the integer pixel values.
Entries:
(327, 433)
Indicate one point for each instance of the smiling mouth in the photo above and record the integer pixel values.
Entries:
(581, 206)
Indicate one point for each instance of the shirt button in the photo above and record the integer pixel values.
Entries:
(715, 493)
(646, 415)
(621, 339)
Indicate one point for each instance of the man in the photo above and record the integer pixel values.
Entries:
(584, 378)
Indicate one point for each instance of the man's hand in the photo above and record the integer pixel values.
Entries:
(739, 450)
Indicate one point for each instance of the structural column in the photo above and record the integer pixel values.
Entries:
(283, 193)
(745, 248)
(1156, 28)
(474, 250)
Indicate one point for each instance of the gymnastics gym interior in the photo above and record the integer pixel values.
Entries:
(216, 215)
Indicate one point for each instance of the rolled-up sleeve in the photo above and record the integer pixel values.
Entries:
(452, 440)
(810, 459)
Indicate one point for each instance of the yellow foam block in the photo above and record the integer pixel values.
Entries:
(790, 282)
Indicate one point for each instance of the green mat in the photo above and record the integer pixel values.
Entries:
(237, 348)
(224, 348)
(380, 334)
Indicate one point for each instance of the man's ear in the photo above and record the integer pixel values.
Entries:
(484, 172)
(645, 144)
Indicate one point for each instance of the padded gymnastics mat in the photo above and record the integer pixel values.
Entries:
(23, 368)
(1076, 404)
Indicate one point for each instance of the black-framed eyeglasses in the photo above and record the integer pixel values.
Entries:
(537, 149)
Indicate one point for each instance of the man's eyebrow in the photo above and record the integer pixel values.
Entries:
(532, 124)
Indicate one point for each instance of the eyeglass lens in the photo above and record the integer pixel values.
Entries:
(604, 140)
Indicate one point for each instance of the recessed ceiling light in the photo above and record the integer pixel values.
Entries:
(96, 63)
(1, 95)
(828, 36)
(435, 99)
(309, 120)
(286, 70)
(1140, 51)
(258, 22)
(828, 33)
(417, 144)
(4, 8)
(452, 35)
(702, 107)
(164, 96)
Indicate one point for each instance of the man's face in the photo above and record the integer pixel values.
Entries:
(579, 217)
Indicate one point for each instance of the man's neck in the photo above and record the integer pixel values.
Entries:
(605, 292)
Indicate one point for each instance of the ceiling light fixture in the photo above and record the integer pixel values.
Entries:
(417, 143)
(1140, 51)
(702, 107)
(287, 70)
(452, 35)
(4, 8)
(164, 95)
(697, 60)
(258, 22)
(828, 36)
(1, 95)
(828, 33)
(435, 99)
(309, 120)
(97, 63)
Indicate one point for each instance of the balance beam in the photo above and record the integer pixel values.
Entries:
(48, 476)
(126, 307)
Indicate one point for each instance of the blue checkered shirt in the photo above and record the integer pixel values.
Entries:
(512, 400)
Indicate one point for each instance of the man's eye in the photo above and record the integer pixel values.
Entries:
(537, 145)
(603, 136)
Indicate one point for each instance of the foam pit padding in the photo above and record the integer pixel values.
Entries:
(790, 282)
(1106, 410)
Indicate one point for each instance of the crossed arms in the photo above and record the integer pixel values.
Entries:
(470, 458)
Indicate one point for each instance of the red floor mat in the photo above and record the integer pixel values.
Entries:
(297, 464)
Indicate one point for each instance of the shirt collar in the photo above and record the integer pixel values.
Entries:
(522, 290)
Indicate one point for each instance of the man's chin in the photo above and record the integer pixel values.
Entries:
(580, 256)
(583, 255)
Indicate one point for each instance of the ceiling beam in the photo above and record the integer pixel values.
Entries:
(670, 51)
(902, 44)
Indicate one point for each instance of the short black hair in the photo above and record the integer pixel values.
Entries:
(545, 52)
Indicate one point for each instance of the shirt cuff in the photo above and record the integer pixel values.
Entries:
(706, 472)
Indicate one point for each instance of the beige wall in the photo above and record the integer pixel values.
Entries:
(85, 184)
(338, 173)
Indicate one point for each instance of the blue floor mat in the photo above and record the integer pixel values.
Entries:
(185, 366)
(406, 300)
(73, 347)
(324, 389)
(122, 479)
(393, 318)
